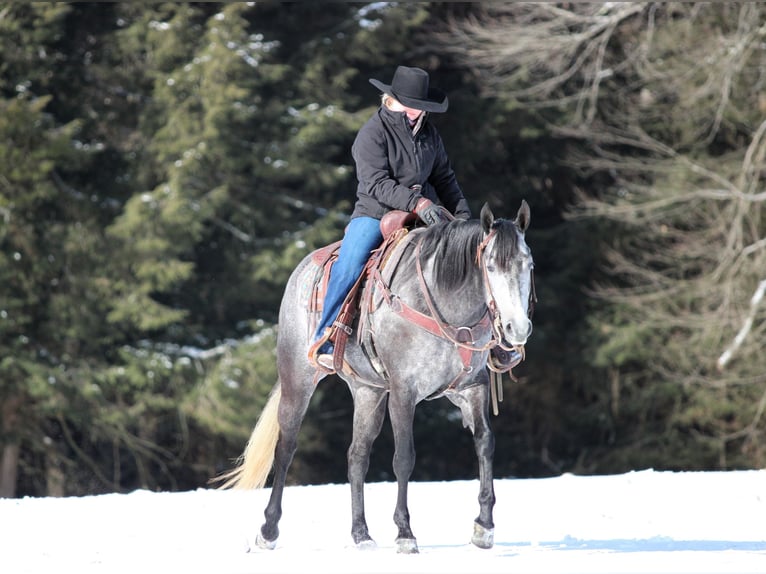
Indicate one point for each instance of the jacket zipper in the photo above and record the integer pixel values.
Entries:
(415, 143)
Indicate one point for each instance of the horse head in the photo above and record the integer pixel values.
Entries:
(507, 266)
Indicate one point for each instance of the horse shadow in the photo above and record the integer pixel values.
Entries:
(626, 545)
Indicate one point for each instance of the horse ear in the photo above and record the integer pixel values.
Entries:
(523, 217)
(487, 218)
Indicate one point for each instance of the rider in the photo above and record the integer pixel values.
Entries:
(401, 164)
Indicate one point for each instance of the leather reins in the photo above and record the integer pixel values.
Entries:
(464, 338)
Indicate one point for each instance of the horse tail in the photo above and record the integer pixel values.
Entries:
(255, 463)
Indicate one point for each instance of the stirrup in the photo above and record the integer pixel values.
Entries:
(314, 355)
(325, 363)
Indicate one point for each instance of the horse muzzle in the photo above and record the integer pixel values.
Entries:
(515, 335)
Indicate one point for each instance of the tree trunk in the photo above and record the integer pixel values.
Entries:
(9, 465)
(55, 480)
(9, 470)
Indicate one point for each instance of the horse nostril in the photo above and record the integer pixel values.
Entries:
(521, 334)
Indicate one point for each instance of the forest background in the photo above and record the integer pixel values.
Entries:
(164, 166)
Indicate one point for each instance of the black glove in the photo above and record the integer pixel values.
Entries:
(429, 212)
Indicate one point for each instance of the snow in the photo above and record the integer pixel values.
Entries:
(646, 521)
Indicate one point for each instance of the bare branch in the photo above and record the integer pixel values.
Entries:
(672, 119)
(755, 302)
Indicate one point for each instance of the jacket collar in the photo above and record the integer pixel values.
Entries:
(399, 120)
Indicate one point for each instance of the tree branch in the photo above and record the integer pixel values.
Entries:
(755, 301)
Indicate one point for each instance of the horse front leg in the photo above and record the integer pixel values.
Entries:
(401, 410)
(369, 413)
(484, 442)
(474, 405)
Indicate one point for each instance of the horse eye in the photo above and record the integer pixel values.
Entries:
(491, 268)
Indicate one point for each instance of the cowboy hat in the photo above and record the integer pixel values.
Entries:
(410, 87)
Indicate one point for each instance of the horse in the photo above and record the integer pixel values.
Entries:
(459, 289)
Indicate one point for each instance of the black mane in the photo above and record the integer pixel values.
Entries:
(454, 246)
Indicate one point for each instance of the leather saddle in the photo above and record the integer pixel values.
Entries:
(394, 226)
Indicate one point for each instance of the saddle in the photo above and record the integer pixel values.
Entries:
(394, 226)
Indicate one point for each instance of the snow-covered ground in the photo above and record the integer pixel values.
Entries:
(643, 521)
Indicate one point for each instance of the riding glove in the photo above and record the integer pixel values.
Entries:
(429, 212)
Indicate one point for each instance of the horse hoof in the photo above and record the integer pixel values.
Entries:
(261, 542)
(483, 537)
(368, 544)
(406, 546)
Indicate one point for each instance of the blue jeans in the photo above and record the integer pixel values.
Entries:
(362, 236)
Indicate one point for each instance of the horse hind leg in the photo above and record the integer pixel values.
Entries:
(296, 382)
(266, 444)
(293, 404)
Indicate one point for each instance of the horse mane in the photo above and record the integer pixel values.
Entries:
(454, 245)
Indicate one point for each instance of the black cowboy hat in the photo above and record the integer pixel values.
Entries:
(410, 87)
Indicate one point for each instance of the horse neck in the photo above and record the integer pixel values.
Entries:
(463, 304)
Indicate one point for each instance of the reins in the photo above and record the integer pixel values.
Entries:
(492, 305)
(443, 326)
(464, 338)
(498, 367)
(490, 320)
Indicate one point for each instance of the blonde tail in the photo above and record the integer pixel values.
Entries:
(254, 465)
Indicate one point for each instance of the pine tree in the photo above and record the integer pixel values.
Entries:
(48, 312)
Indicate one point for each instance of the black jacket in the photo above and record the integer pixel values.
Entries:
(391, 158)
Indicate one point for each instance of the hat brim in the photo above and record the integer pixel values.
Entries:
(437, 100)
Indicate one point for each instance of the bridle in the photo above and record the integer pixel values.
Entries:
(465, 337)
(498, 339)
(500, 359)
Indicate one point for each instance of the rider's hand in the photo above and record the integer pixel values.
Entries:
(429, 212)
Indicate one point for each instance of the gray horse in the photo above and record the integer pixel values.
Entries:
(459, 290)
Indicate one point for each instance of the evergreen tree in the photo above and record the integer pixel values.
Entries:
(49, 250)
(184, 158)
(249, 134)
